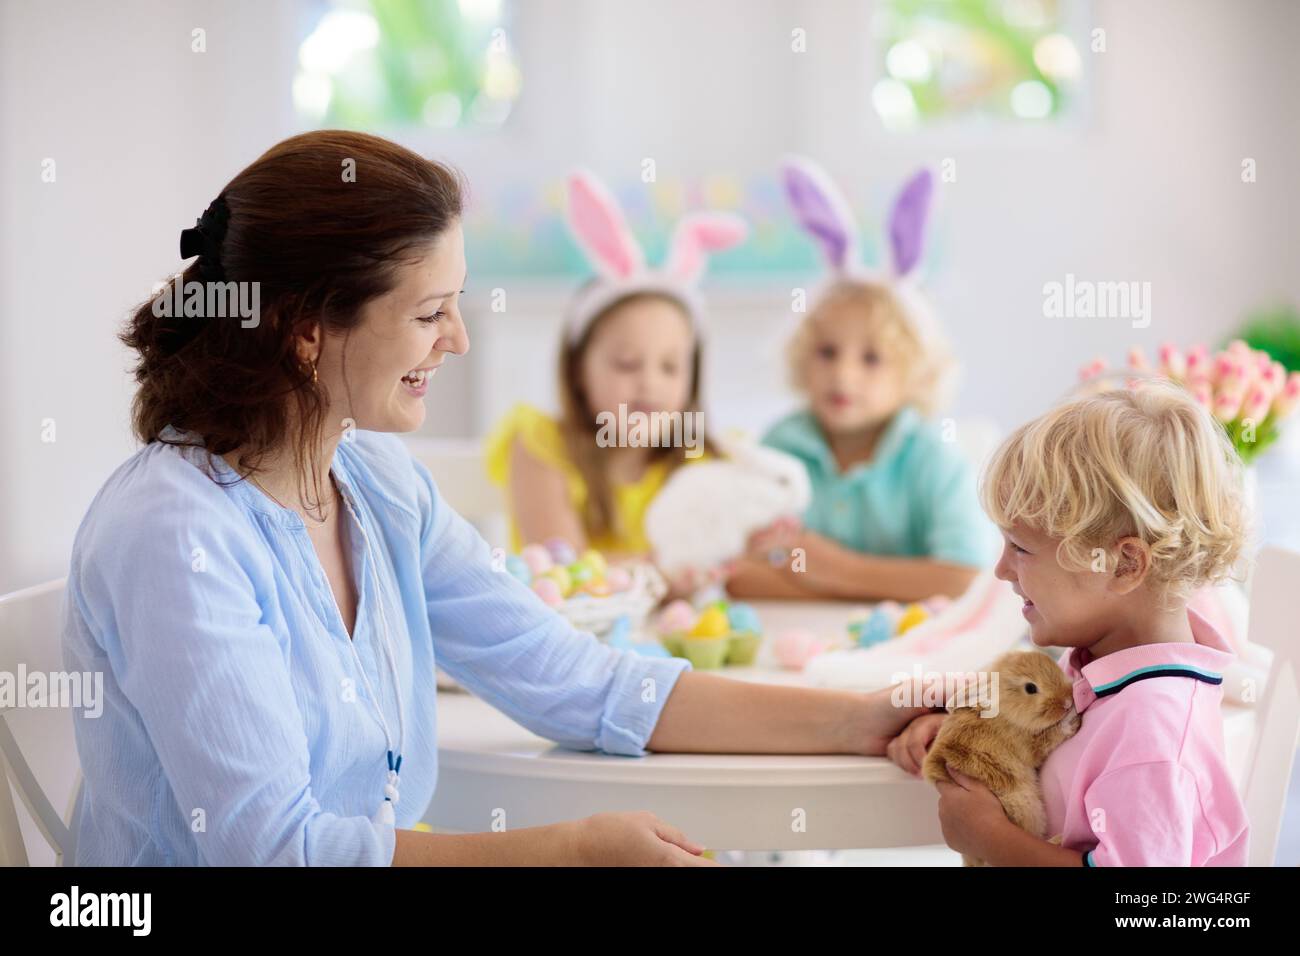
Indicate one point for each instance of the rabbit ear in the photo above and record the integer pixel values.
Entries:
(821, 211)
(696, 236)
(907, 221)
(598, 225)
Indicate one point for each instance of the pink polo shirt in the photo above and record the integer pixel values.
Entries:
(1144, 782)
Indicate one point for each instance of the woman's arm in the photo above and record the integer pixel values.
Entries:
(606, 839)
(710, 714)
(539, 500)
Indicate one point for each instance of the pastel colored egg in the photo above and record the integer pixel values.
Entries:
(937, 604)
(537, 558)
(795, 648)
(677, 617)
(597, 562)
(712, 623)
(560, 575)
(877, 628)
(743, 619)
(546, 589)
(618, 579)
(596, 588)
(892, 608)
(580, 572)
(561, 551)
(912, 616)
(517, 567)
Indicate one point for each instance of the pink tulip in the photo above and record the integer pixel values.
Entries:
(1092, 369)
(1228, 371)
(1227, 405)
(1288, 396)
(1256, 405)
(1137, 360)
(1172, 362)
(1203, 395)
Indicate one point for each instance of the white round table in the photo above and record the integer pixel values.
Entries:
(493, 773)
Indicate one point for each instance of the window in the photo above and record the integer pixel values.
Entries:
(385, 64)
(950, 59)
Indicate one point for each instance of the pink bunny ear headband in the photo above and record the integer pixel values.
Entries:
(598, 225)
(821, 210)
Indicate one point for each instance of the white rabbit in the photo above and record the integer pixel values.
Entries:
(707, 511)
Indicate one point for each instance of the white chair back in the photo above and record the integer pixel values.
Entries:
(38, 751)
(1277, 721)
(460, 473)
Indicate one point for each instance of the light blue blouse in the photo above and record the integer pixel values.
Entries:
(915, 498)
(236, 729)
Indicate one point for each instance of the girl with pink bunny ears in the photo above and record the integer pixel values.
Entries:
(894, 513)
(632, 338)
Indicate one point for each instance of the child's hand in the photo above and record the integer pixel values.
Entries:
(781, 536)
(908, 749)
(970, 814)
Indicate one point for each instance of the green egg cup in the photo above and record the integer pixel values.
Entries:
(705, 653)
(743, 648)
(672, 643)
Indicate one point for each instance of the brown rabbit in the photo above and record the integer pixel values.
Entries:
(1035, 712)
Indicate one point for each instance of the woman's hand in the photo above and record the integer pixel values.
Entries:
(908, 749)
(631, 839)
(970, 814)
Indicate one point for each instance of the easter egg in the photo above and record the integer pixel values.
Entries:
(912, 616)
(795, 647)
(876, 628)
(743, 619)
(596, 588)
(561, 551)
(618, 579)
(937, 604)
(560, 575)
(546, 589)
(891, 608)
(678, 616)
(517, 567)
(596, 561)
(537, 558)
(580, 573)
(712, 623)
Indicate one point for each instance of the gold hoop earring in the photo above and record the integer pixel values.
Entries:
(313, 373)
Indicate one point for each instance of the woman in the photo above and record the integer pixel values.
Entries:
(270, 581)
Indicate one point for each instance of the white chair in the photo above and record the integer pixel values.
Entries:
(36, 743)
(458, 469)
(1277, 719)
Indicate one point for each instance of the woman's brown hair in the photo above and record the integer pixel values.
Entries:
(579, 427)
(321, 221)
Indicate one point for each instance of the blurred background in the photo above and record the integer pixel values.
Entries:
(1107, 140)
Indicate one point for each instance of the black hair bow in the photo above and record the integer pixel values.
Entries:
(204, 239)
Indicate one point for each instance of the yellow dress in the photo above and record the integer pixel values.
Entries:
(541, 436)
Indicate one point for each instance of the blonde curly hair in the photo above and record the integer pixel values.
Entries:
(1146, 461)
(927, 372)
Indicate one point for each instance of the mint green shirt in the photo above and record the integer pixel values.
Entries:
(915, 498)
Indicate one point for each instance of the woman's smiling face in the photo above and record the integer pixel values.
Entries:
(377, 374)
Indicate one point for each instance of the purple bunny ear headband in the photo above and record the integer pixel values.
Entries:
(821, 210)
(598, 226)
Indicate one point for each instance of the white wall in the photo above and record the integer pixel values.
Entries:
(144, 132)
